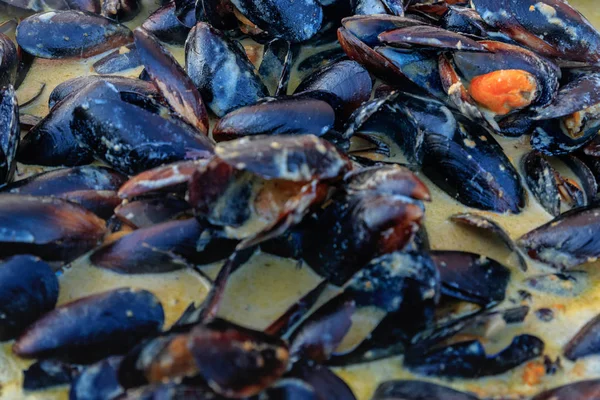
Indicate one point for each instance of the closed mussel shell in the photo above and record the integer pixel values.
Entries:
(93, 327)
(50, 228)
(28, 289)
(83, 34)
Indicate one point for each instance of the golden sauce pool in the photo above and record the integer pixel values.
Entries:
(260, 291)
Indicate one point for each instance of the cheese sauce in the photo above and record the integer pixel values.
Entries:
(260, 291)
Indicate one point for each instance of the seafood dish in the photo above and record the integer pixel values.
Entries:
(299, 199)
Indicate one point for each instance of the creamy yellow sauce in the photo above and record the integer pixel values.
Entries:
(259, 292)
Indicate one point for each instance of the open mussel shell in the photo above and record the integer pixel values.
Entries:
(50, 228)
(418, 390)
(527, 22)
(301, 158)
(166, 178)
(251, 360)
(28, 289)
(567, 241)
(93, 327)
(221, 70)
(86, 34)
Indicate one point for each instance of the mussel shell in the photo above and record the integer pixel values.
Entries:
(84, 34)
(121, 84)
(59, 182)
(173, 83)
(469, 360)
(162, 248)
(165, 178)
(418, 390)
(586, 341)
(163, 24)
(49, 373)
(471, 277)
(326, 384)
(28, 289)
(131, 139)
(386, 179)
(346, 79)
(577, 95)
(97, 381)
(429, 37)
(300, 158)
(120, 10)
(295, 21)
(218, 13)
(541, 180)
(529, 23)
(357, 222)
(459, 156)
(143, 213)
(10, 133)
(52, 141)
(119, 60)
(8, 61)
(276, 65)
(323, 331)
(567, 241)
(93, 327)
(221, 70)
(94, 188)
(503, 56)
(284, 116)
(53, 229)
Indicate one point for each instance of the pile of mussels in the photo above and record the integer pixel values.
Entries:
(188, 165)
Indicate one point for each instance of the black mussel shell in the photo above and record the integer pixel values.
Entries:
(288, 115)
(567, 241)
(132, 139)
(50, 228)
(97, 381)
(28, 289)
(93, 327)
(83, 34)
(10, 133)
(583, 390)
(295, 21)
(221, 70)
